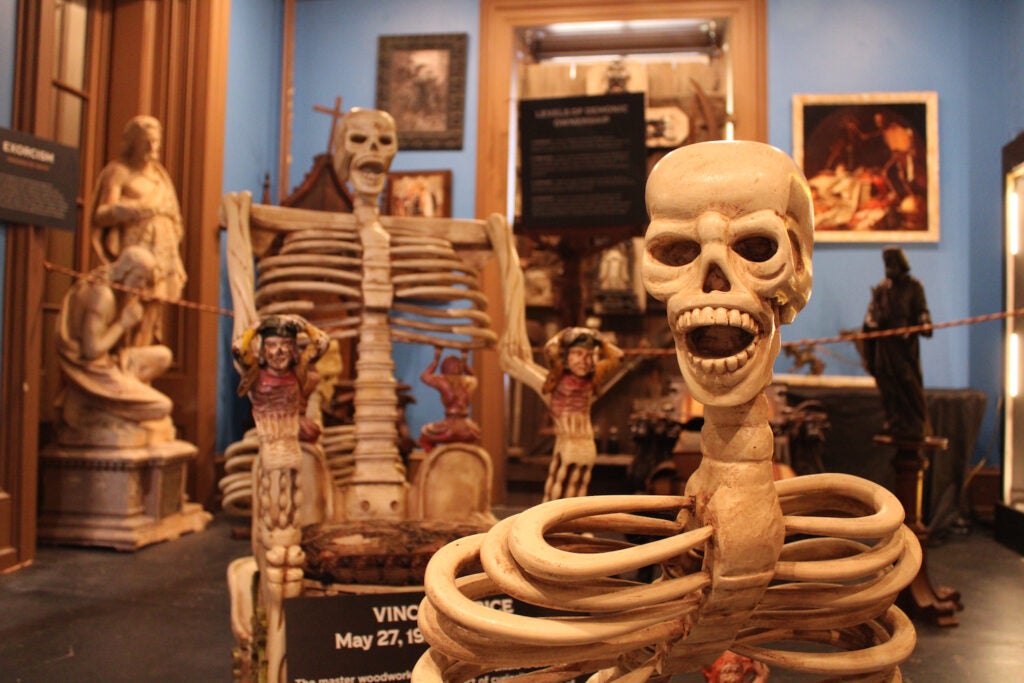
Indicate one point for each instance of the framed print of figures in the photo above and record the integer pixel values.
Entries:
(421, 82)
(419, 193)
(872, 160)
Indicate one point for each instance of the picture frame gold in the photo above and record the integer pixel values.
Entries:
(421, 82)
(872, 161)
(419, 193)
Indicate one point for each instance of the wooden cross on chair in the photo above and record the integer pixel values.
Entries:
(335, 114)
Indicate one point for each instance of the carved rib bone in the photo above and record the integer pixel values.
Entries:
(728, 250)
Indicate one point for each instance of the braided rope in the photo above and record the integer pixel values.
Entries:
(79, 275)
(845, 337)
(855, 336)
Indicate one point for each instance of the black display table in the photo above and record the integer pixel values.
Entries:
(855, 416)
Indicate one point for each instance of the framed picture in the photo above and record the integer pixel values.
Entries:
(421, 81)
(419, 193)
(872, 161)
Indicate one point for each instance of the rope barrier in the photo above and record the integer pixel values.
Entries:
(141, 293)
(858, 336)
(844, 337)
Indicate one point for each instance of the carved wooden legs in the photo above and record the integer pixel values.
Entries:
(920, 599)
(277, 539)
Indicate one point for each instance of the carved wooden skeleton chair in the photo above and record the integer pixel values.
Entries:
(373, 280)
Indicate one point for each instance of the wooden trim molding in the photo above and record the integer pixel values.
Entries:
(499, 21)
(20, 376)
(287, 101)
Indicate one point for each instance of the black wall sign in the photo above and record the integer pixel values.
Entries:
(38, 181)
(583, 162)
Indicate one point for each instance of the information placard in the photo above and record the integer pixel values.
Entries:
(353, 638)
(583, 162)
(38, 181)
(369, 638)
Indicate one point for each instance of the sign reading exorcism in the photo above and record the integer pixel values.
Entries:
(38, 181)
(583, 163)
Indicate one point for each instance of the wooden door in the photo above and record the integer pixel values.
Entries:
(500, 23)
(56, 81)
(84, 67)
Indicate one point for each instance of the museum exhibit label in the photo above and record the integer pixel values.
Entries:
(583, 164)
(366, 637)
(38, 181)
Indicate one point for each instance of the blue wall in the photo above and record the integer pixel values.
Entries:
(963, 52)
(336, 55)
(250, 151)
(971, 53)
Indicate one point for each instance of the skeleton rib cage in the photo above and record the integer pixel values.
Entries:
(310, 263)
(437, 297)
(834, 583)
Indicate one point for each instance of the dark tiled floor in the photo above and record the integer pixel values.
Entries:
(161, 614)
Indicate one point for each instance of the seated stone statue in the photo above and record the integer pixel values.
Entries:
(107, 399)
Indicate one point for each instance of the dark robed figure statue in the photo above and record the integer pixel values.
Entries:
(895, 361)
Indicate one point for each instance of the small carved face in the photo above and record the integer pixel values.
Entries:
(279, 353)
(364, 146)
(142, 138)
(139, 277)
(452, 365)
(580, 360)
(149, 143)
(728, 249)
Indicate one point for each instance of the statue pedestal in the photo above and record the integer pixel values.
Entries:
(122, 498)
(920, 599)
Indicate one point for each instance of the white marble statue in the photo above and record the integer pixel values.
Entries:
(136, 204)
(107, 398)
(579, 364)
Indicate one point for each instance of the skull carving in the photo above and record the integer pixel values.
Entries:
(728, 250)
(364, 145)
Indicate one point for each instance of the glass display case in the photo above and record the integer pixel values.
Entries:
(1010, 511)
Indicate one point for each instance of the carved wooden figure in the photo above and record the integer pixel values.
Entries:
(895, 361)
(579, 362)
(361, 276)
(729, 252)
(376, 280)
(456, 384)
(278, 380)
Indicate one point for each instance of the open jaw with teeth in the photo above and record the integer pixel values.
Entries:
(371, 172)
(718, 339)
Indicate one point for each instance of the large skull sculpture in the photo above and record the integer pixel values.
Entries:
(364, 145)
(729, 252)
